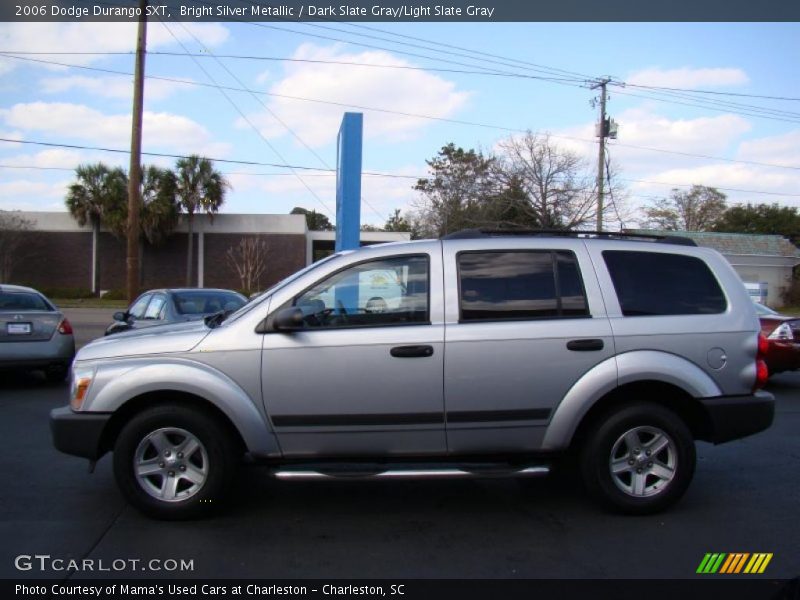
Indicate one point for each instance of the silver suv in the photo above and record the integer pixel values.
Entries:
(480, 354)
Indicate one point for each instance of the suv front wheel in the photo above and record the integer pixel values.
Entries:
(638, 459)
(172, 462)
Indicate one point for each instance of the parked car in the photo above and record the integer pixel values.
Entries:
(34, 334)
(783, 337)
(158, 307)
(490, 355)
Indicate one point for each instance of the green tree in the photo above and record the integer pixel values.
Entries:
(314, 221)
(697, 209)
(761, 218)
(397, 222)
(454, 197)
(98, 197)
(159, 215)
(200, 188)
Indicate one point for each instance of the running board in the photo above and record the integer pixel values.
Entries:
(415, 473)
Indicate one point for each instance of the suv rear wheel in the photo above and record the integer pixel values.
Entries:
(638, 459)
(172, 462)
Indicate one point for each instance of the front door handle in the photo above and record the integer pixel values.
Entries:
(411, 351)
(585, 345)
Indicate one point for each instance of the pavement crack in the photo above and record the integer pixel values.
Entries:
(96, 543)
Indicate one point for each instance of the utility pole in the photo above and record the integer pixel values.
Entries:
(602, 132)
(135, 172)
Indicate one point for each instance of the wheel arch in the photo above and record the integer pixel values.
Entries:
(142, 402)
(133, 386)
(667, 395)
(660, 377)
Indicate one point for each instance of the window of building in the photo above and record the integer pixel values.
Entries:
(520, 285)
(656, 283)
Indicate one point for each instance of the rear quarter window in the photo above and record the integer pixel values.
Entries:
(656, 283)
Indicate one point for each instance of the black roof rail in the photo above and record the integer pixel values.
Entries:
(471, 234)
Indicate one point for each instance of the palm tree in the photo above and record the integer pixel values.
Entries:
(159, 214)
(199, 188)
(99, 196)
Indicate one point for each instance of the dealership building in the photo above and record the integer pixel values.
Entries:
(58, 253)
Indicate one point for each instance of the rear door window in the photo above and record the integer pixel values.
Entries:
(656, 283)
(511, 285)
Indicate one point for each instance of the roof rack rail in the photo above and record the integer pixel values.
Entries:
(471, 234)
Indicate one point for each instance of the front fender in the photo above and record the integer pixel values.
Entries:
(116, 384)
(630, 367)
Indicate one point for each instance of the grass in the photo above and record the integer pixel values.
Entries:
(89, 303)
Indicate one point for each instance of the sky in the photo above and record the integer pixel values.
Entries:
(426, 85)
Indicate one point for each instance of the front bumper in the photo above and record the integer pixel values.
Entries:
(734, 417)
(78, 434)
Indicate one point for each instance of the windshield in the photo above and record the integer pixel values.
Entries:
(206, 302)
(257, 300)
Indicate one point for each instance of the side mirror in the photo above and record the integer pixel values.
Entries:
(121, 316)
(288, 319)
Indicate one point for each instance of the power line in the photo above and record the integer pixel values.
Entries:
(718, 109)
(220, 160)
(725, 189)
(714, 102)
(401, 113)
(712, 92)
(274, 115)
(291, 60)
(523, 62)
(247, 120)
(252, 173)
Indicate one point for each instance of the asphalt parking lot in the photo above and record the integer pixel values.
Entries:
(744, 499)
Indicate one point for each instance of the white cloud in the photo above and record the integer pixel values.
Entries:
(783, 149)
(738, 182)
(23, 194)
(280, 193)
(403, 90)
(110, 87)
(160, 129)
(688, 77)
(54, 158)
(96, 37)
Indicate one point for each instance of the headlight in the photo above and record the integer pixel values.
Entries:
(783, 333)
(81, 382)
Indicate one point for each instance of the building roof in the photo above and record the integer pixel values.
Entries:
(734, 243)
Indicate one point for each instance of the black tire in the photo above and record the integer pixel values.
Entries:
(640, 484)
(172, 427)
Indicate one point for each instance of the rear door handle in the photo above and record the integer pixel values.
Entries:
(585, 345)
(411, 351)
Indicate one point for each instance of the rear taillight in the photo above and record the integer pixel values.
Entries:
(783, 333)
(762, 372)
(64, 327)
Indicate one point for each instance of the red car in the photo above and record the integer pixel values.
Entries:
(783, 334)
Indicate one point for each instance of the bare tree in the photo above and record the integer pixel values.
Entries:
(14, 240)
(697, 209)
(249, 260)
(559, 186)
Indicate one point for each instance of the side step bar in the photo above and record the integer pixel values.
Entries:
(410, 473)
